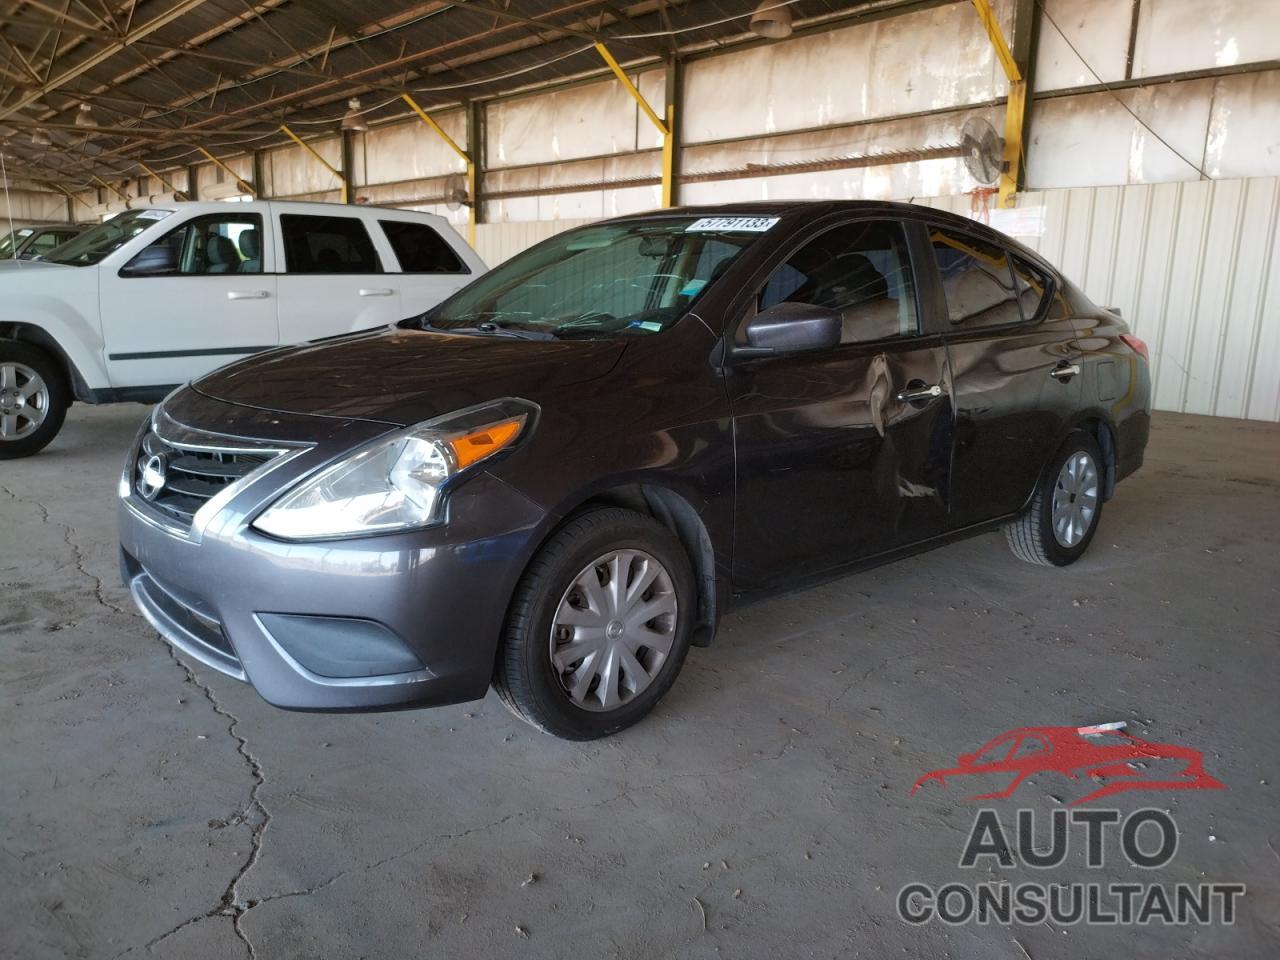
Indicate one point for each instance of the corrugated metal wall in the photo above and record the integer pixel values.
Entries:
(1194, 267)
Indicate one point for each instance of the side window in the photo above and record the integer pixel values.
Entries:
(420, 249)
(1035, 288)
(44, 243)
(860, 269)
(327, 245)
(212, 244)
(976, 279)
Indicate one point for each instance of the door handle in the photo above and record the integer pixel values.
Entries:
(918, 394)
(376, 291)
(1064, 371)
(247, 294)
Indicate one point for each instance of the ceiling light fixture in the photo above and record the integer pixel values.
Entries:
(352, 121)
(771, 21)
(85, 117)
(40, 137)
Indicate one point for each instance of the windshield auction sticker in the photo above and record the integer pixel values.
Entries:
(731, 225)
(1022, 867)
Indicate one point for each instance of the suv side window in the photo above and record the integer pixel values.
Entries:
(315, 244)
(976, 280)
(420, 249)
(212, 244)
(862, 270)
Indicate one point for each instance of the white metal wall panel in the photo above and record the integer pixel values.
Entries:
(292, 172)
(1098, 29)
(900, 65)
(496, 242)
(1178, 35)
(24, 206)
(409, 151)
(576, 122)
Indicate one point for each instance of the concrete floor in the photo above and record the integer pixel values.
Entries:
(151, 809)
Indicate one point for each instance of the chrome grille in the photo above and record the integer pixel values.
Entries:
(176, 479)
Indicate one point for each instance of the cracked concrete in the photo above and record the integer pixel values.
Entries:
(152, 809)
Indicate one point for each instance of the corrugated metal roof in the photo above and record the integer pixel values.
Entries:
(165, 75)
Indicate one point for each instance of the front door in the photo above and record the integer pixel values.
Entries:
(842, 454)
(195, 299)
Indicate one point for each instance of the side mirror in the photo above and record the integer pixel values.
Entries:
(792, 328)
(152, 261)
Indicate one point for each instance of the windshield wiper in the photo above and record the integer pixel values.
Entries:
(491, 330)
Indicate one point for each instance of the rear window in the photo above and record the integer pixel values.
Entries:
(419, 249)
(327, 245)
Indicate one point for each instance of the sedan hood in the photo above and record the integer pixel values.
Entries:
(403, 377)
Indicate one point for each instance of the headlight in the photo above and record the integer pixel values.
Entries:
(397, 482)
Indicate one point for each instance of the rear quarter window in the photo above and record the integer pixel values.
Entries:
(419, 249)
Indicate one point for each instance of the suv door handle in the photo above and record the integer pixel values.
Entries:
(376, 291)
(1064, 371)
(247, 294)
(917, 394)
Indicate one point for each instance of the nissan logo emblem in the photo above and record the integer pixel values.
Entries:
(152, 480)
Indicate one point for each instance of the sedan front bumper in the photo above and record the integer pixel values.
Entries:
(368, 623)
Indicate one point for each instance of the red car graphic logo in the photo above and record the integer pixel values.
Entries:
(1103, 753)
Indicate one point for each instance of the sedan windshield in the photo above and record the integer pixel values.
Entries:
(616, 279)
(92, 245)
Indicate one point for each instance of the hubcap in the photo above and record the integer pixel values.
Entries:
(24, 400)
(613, 629)
(1075, 499)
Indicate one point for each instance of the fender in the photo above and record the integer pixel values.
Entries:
(1097, 422)
(68, 321)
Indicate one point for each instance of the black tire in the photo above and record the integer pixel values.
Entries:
(1031, 536)
(526, 680)
(59, 397)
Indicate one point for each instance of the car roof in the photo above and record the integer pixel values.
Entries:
(300, 206)
(813, 209)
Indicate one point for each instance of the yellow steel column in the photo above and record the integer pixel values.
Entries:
(1014, 108)
(666, 128)
(322, 161)
(472, 198)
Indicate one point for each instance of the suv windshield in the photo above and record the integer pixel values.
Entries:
(11, 241)
(631, 278)
(92, 245)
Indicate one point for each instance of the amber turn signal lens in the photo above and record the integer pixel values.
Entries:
(474, 447)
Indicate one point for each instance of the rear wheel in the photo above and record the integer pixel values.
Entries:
(33, 399)
(599, 626)
(1058, 524)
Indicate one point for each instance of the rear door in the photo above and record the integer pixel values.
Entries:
(1015, 359)
(835, 459)
(335, 279)
(191, 301)
(431, 268)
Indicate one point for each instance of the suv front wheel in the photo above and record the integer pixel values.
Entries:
(33, 399)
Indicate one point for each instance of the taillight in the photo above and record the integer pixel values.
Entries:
(1137, 345)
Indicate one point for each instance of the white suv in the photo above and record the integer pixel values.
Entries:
(155, 297)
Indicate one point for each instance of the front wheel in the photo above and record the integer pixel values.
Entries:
(599, 626)
(1062, 517)
(33, 399)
